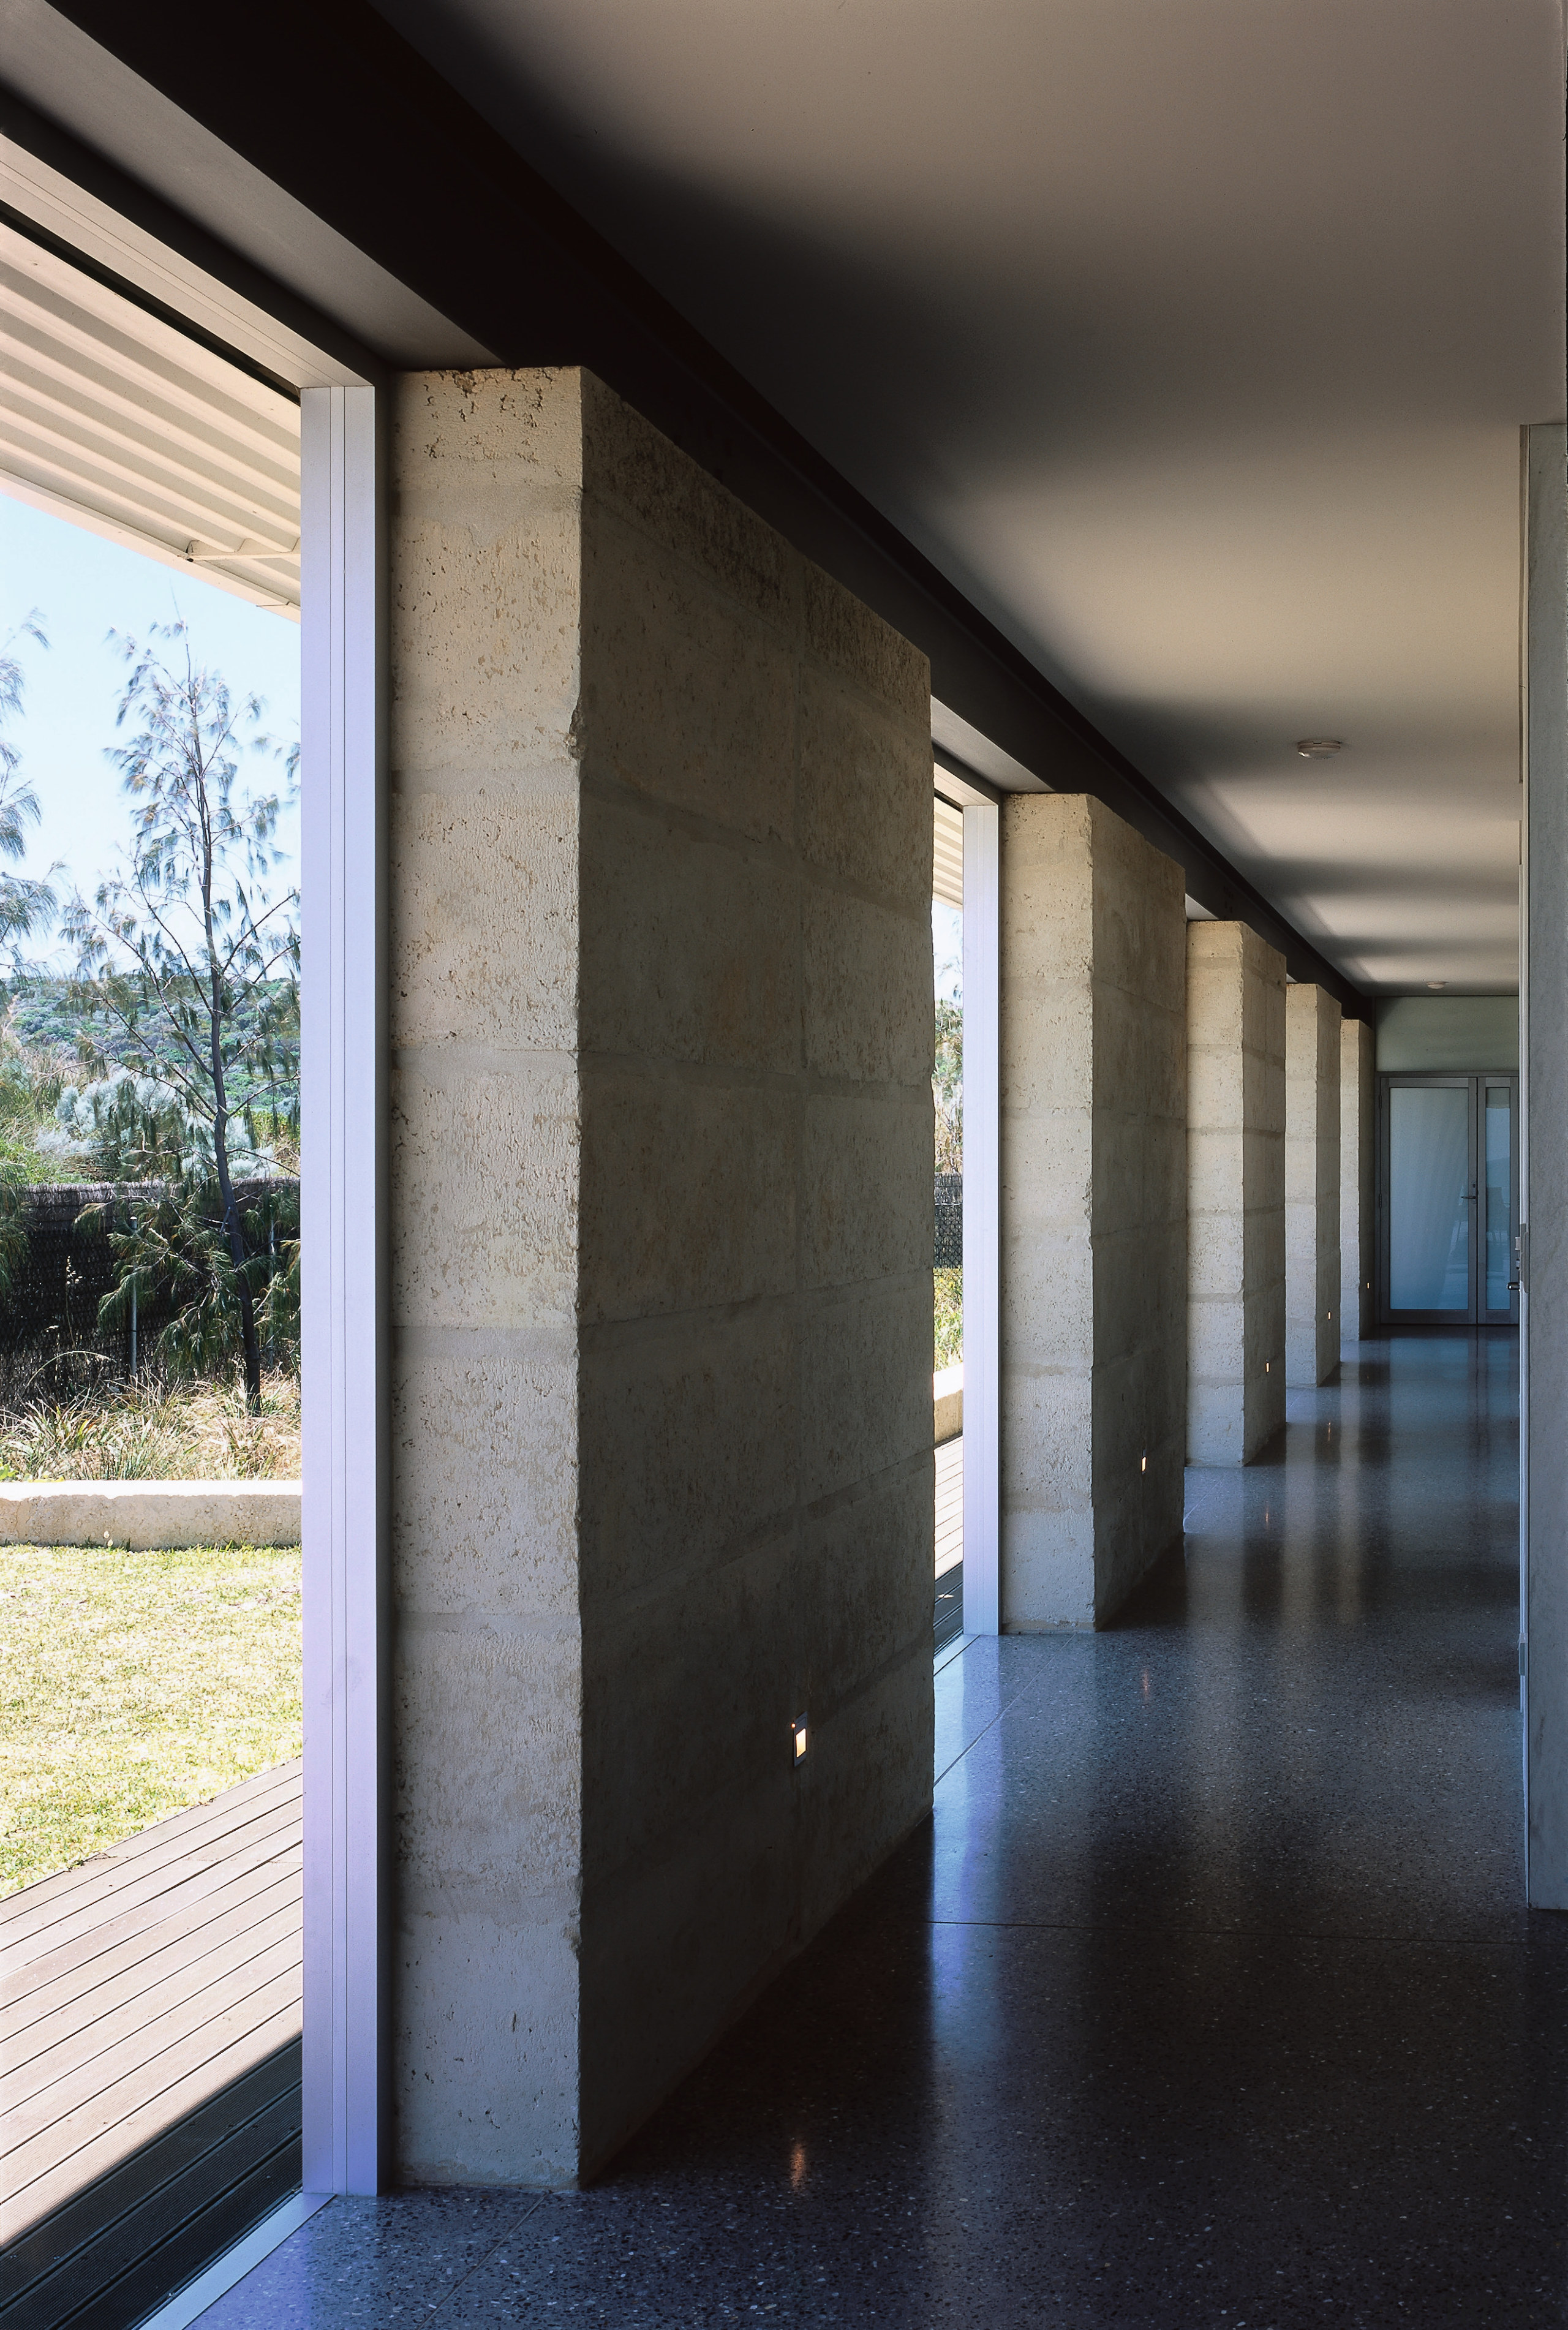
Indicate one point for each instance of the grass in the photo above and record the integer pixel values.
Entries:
(135, 1684)
(153, 1432)
(949, 1319)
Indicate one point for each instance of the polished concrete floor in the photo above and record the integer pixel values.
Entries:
(1208, 1998)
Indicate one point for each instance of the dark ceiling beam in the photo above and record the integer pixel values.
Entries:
(332, 105)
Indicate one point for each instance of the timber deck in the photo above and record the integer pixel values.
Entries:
(949, 1603)
(149, 2058)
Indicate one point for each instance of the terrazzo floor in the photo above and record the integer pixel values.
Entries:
(1207, 2000)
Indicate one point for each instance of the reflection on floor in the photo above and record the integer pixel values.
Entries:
(950, 1621)
(149, 2057)
(1206, 1999)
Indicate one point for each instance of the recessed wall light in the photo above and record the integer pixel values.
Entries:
(1320, 748)
(800, 1736)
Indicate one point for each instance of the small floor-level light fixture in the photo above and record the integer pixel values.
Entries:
(798, 1733)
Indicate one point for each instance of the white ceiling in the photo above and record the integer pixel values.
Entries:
(1191, 338)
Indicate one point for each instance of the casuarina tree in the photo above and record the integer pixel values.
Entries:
(26, 905)
(194, 961)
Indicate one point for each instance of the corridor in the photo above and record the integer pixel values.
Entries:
(1207, 1999)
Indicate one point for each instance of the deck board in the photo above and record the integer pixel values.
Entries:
(950, 1516)
(138, 1964)
(105, 2053)
(174, 1833)
(949, 1503)
(142, 1996)
(225, 1877)
(127, 1883)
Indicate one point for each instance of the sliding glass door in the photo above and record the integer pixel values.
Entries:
(1447, 1189)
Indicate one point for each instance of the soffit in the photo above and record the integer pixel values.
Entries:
(1192, 342)
(121, 421)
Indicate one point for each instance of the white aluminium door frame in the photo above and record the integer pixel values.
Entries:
(982, 1220)
(343, 1213)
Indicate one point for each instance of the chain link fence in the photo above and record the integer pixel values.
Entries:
(950, 1240)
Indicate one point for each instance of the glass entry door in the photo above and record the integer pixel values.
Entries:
(1449, 1184)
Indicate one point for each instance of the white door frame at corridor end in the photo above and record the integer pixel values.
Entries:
(1542, 1176)
(341, 1098)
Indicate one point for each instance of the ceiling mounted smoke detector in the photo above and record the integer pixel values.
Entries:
(1320, 748)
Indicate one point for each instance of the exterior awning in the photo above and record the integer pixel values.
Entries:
(118, 419)
(948, 855)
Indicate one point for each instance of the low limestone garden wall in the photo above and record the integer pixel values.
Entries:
(149, 1516)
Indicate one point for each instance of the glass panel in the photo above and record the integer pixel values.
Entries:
(1499, 1222)
(1429, 1204)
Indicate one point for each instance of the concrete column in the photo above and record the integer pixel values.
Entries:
(1357, 1181)
(1093, 1209)
(1235, 1193)
(662, 1200)
(1312, 1025)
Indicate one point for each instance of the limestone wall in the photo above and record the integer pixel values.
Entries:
(151, 1515)
(1312, 1069)
(1357, 1179)
(660, 892)
(1235, 1193)
(1094, 1175)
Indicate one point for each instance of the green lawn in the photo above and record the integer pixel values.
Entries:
(135, 1684)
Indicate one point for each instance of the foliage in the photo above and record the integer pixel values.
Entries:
(32, 1077)
(148, 1431)
(135, 1684)
(948, 1318)
(56, 1055)
(194, 966)
(948, 1086)
(26, 1088)
(25, 904)
(179, 1244)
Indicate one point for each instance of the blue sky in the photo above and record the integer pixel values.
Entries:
(84, 587)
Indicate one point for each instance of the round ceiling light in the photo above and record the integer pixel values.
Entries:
(1320, 748)
(1435, 983)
